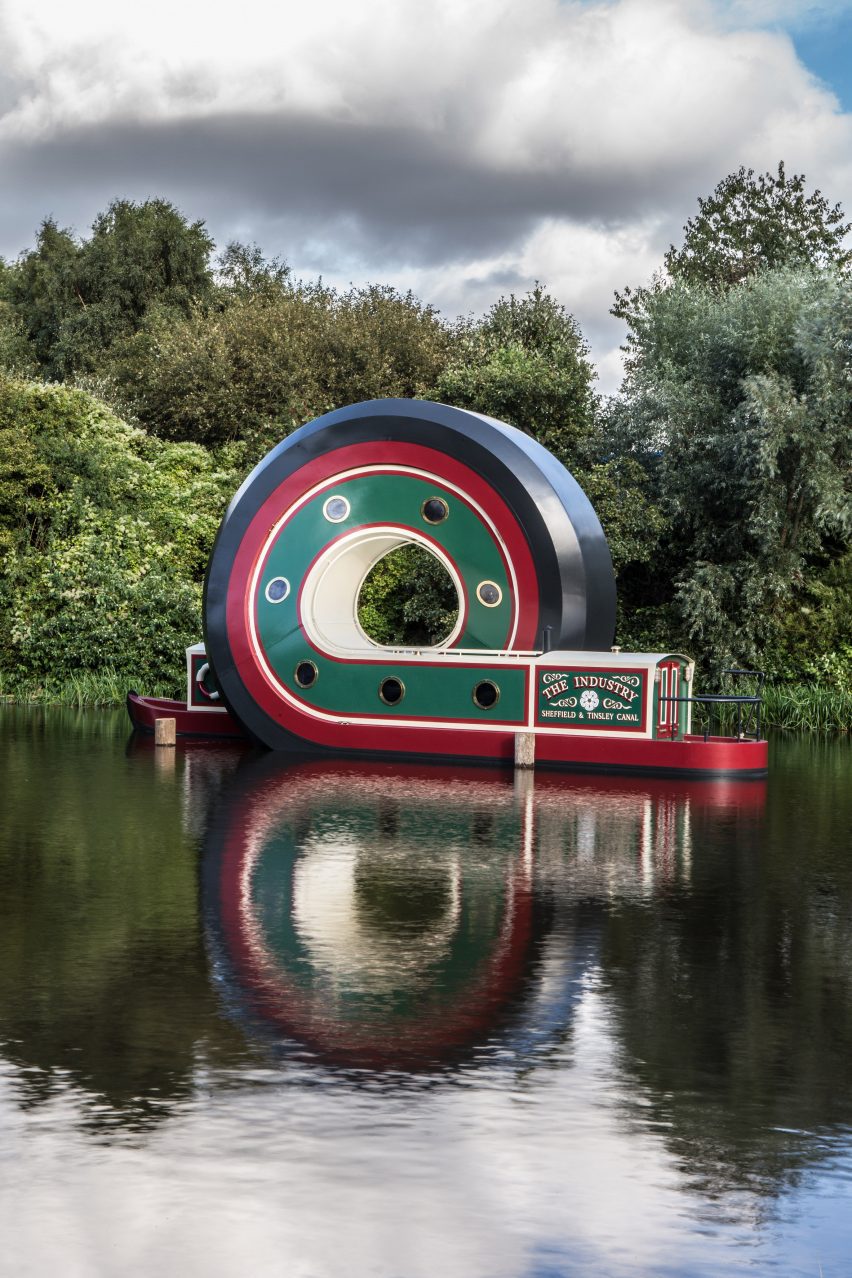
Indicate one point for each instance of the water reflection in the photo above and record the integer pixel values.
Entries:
(104, 988)
(378, 917)
(553, 1014)
(402, 917)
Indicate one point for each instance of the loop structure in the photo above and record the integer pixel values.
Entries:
(381, 947)
(512, 529)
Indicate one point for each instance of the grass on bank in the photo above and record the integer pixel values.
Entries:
(100, 690)
(788, 707)
(807, 707)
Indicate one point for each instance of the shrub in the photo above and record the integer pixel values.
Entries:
(105, 534)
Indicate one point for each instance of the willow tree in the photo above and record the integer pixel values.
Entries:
(741, 398)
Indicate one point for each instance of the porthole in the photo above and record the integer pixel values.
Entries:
(336, 509)
(306, 674)
(434, 510)
(489, 594)
(391, 691)
(486, 694)
(277, 590)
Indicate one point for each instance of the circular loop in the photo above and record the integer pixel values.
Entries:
(391, 691)
(336, 509)
(306, 674)
(486, 694)
(277, 590)
(489, 594)
(434, 510)
(200, 675)
(517, 520)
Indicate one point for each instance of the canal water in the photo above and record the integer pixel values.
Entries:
(277, 1018)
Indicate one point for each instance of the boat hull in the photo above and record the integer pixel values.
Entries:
(145, 711)
(690, 756)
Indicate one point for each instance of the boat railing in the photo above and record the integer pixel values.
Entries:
(749, 707)
(520, 654)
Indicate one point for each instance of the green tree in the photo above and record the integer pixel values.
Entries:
(77, 301)
(41, 289)
(105, 535)
(747, 225)
(408, 599)
(242, 270)
(16, 353)
(750, 223)
(274, 353)
(526, 362)
(741, 401)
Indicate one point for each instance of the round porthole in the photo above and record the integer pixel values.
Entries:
(306, 674)
(335, 509)
(434, 510)
(489, 593)
(391, 691)
(486, 694)
(277, 590)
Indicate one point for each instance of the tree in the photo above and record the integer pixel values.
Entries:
(78, 301)
(41, 289)
(274, 353)
(105, 535)
(741, 398)
(16, 353)
(526, 362)
(750, 223)
(408, 599)
(243, 271)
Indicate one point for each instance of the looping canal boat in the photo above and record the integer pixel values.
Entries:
(528, 671)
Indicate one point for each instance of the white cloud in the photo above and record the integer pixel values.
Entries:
(451, 147)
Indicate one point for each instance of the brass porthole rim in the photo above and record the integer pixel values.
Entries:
(497, 602)
(426, 518)
(306, 661)
(382, 696)
(491, 684)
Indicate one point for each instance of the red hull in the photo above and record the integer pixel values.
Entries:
(144, 712)
(690, 756)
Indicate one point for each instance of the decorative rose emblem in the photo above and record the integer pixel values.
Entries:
(589, 700)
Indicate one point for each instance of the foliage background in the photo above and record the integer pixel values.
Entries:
(140, 379)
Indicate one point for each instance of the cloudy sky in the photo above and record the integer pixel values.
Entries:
(460, 148)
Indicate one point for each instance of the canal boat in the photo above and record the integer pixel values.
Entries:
(528, 670)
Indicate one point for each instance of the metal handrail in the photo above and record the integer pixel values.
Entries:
(743, 729)
(424, 651)
(753, 700)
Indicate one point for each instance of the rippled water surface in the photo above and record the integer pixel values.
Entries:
(276, 1018)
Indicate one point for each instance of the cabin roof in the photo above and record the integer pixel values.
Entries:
(612, 660)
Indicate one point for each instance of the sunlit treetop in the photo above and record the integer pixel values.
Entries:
(750, 222)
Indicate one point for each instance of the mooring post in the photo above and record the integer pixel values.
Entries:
(165, 732)
(524, 749)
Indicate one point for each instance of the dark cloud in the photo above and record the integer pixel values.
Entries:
(463, 151)
(375, 192)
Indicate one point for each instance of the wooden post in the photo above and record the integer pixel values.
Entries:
(165, 732)
(524, 749)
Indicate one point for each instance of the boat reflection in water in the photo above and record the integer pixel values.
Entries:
(405, 917)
